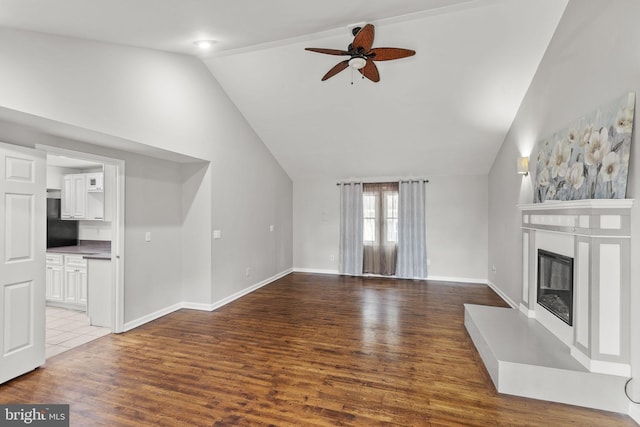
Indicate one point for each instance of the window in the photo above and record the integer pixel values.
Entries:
(369, 212)
(380, 227)
(380, 221)
(391, 217)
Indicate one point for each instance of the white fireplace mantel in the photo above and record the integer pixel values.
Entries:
(596, 234)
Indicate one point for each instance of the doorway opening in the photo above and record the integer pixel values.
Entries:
(85, 243)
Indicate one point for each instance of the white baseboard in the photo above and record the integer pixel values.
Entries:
(151, 316)
(196, 306)
(502, 295)
(248, 290)
(455, 279)
(200, 306)
(315, 271)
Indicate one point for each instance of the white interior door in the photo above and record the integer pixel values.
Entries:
(22, 260)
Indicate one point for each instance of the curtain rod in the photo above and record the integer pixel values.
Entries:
(382, 182)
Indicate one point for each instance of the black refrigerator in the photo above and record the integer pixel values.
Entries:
(59, 232)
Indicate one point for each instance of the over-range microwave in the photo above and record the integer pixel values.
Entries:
(95, 182)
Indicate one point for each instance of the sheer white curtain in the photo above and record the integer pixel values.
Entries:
(351, 222)
(412, 245)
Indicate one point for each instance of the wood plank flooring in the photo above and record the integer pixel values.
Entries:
(306, 350)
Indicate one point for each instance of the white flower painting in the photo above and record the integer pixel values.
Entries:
(590, 158)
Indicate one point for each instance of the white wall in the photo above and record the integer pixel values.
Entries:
(94, 230)
(153, 270)
(456, 226)
(196, 232)
(54, 176)
(171, 102)
(593, 58)
(316, 225)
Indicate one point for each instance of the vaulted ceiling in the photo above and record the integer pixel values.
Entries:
(444, 111)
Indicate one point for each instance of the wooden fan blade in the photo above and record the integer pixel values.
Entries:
(335, 70)
(389, 53)
(327, 51)
(370, 71)
(364, 38)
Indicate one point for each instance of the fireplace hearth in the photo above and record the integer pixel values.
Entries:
(555, 284)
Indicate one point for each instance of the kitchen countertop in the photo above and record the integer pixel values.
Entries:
(91, 249)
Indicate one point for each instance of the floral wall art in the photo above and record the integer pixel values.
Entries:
(590, 158)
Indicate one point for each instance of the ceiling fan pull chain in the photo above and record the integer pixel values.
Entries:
(351, 75)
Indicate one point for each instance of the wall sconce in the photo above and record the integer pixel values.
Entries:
(523, 166)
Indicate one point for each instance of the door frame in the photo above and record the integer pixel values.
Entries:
(117, 228)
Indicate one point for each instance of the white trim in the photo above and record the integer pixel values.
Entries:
(233, 297)
(433, 278)
(634, 412)
(611, 368)
(599, 366)
(582, 296)
(609, 299)
(200, 306)
(502, 295)
(579, 204)
(531, 314)
(314, 271)
(196, 306)
(151, 316)
(525, 267)
(456, 279)
(580, 357)
(613, 222)
(574, 233)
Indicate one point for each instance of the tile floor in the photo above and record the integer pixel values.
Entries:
(67, 329)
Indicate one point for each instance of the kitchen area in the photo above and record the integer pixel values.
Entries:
(79, 291)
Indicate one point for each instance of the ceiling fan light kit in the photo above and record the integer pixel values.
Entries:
(357, 62)
(362, 55)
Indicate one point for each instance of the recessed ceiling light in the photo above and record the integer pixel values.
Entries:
(205, 44)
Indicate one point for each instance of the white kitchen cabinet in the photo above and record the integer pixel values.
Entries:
(54, 278)
(75, 279)
(83, 196)
(74, 196)
(95, 206)
(67, 280)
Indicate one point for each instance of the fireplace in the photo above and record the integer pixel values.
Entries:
(555, 284)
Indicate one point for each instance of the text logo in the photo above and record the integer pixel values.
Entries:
(34, 415)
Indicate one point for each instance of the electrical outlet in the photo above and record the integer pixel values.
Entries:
(493, 268)
(217, 234)
(332, 257)
(428, 262)
(147, 236)
(247, 271)
(271, 227)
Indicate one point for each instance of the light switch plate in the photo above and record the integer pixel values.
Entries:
(147, 236)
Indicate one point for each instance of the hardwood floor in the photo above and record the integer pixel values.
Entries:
(306, 350)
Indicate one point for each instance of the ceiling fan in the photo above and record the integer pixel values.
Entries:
(362, 55)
